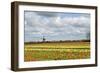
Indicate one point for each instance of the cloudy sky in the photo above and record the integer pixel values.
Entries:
(55, 26)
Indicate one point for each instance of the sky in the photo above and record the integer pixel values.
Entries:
(55, 26)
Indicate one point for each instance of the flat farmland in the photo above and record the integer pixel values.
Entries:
(45, 51)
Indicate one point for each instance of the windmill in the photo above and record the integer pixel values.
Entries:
(44, 39)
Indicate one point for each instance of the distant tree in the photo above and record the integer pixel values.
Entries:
(88, 35)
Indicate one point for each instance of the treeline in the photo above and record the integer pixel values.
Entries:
(57, 41)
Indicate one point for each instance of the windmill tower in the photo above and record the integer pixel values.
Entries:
(44, 39)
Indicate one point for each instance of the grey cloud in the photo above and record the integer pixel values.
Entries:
(47, 14)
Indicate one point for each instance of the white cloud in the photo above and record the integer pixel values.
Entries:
(78, 21)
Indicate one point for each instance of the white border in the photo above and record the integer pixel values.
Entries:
(23, 64)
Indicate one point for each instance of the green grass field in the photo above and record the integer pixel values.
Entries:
(56, 51)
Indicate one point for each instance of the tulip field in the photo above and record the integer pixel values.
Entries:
(47, 51)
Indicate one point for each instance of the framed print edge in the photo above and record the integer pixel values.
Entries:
(15, 35)
(96, 34)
